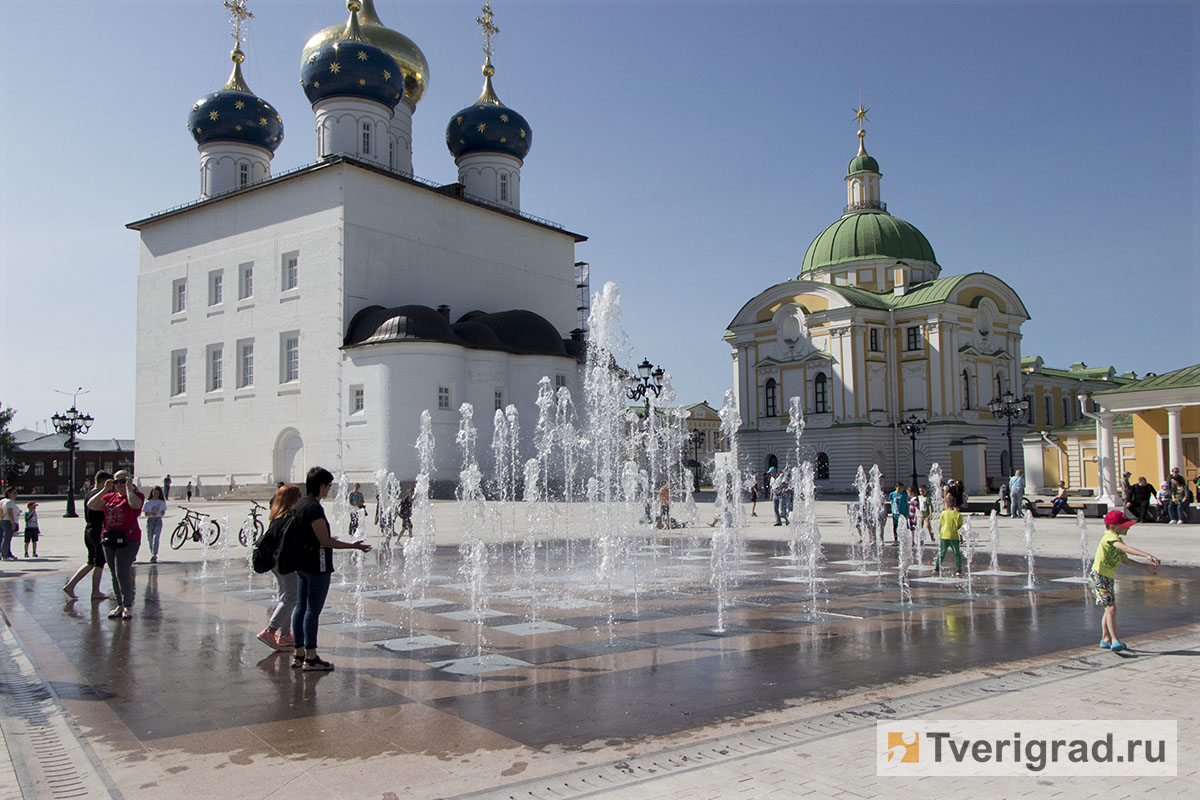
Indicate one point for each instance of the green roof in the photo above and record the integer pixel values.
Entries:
(861, 235)
(863, 163)
(920, 294)
(1186, 378)
(1120, 422)
(863, 298)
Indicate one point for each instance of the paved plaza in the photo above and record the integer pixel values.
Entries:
(575, 690)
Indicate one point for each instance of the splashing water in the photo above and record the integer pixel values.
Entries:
(905, 559)
(1085, 561)
(968, 545)
(418, 549)
(1028, 531)
(724, 552)
(473, 557)
(858, 513)
(876, 504)
(994, 540)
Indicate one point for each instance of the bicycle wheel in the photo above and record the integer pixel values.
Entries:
(214, 532)
(179, 535)
(242, 533)
(258, 529)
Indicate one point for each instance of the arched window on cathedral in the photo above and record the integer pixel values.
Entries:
(999, 384)
(966, 390)
(822, 466)
(820, 394)
(769, 397)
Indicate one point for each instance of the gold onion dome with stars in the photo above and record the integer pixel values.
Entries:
(352, 67)
(404, 50)
(235, 114)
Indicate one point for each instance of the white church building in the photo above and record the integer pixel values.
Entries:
(308, 317)
(869, 334)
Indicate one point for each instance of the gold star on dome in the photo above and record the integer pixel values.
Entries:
(196, 107)
(362, 55)
(262, 122)
(504, 117)
(461, 141)
(362, 81)
(312, 59)
(335, 68)
(503, 139)
(447, 138)
(459, 119)
(199, 131)
(387, 76)
(481, 126)
(860, 115)
(522, 133)
(316, 84)
(239, 105)
(213, 115)
(237, 127)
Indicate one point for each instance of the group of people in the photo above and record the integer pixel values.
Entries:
(1174, 498)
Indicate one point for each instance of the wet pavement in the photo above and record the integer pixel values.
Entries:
(186, 678)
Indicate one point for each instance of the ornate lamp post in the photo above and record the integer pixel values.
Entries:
(1008, 407)
(912, 427)
(650, 380)
(72, 423)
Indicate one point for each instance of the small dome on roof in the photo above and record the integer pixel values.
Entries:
(233, 113)
(351, 66)
(524, 332)
(376, 324)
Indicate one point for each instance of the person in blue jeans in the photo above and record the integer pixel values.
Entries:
(899, 501)
(309, 552)
(1016, 490)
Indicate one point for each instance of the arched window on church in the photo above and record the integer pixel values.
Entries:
(999, 384)
(822, 466)
(769, 397)
(820, 394)
(966, 390)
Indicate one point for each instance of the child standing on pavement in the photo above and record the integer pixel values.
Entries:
(925, 513)
(951, 521)
(899, 500)
(1111, 553)
(31, 529)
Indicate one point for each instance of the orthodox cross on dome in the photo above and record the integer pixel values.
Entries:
(239, 15)
(486, 22)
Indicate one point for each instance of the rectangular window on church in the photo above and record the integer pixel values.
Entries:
(366, 138)
(1049, 411)
(246, 280)
(1031, 409)
(179, 296)
(499, 398)
(1066, 417)
(178, 372)
(358, 399)
(245, 355)
(243, 174)
(216, 287)
(504, 186)
(216, 380)
(873, 340)
(290, 278)
(560, 382)
(444, 397)
(914, 337)
(290, 351)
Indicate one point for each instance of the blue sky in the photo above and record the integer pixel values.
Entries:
(700, 146)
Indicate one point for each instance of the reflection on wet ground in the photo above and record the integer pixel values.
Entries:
(188, 664)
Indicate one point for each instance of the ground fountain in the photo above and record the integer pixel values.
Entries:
(1027, 529)
(904, 559)
(473, 551)
(967, 534)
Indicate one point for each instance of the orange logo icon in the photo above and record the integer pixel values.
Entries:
(903, 748)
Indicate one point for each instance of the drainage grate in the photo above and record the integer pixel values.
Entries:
(48, 757)
(607, 777)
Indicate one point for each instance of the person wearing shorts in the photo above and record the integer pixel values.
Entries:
(93, 524)
(1111, 553)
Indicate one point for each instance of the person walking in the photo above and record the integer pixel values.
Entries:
(754, 499)
(166, 485)
(1111, 553)
(10, 516)
(899, 503)
(406, 506)
(282, 506)
(664, 507)
(154, 510)
(950, 522)
(32, 533)
(309, 553)
(778, 495)
(189, 491)
(1016, 493)
(93, 524)
(925, 513)
(122, 504)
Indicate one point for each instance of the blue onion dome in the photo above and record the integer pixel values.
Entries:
(235, 114)
(352, 67)
(488, 126)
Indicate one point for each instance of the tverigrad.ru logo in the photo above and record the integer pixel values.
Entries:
(1026, 747)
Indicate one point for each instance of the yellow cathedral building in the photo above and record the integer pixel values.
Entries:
(871, 333)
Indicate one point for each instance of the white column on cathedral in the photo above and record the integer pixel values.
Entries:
(1174, 437)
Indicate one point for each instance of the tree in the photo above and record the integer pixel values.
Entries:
(6, 441)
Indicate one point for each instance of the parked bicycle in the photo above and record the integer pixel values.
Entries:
(193, 526)
(252, 527)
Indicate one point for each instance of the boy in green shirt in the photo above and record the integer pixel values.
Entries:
(949, 522)
(1110, 554)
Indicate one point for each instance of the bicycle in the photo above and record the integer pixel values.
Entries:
(252, 523)
(191, 527)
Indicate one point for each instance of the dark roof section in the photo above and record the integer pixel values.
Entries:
(402, 177)
(517, 331)
(27, 441)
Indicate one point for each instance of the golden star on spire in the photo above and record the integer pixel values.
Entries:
(860, 115)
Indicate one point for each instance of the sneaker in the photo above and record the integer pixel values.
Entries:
(115, 613)
(317, 664)
(153, 559)
(1117, 647)
(1105, 645)
(286, 641)
(270, 639)
(127, 613)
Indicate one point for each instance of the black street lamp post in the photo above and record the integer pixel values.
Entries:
(1008, 407)
(650, 380)
(72, 423)
(912, 427)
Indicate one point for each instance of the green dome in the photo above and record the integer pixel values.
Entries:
(863, 235)
(863, 163)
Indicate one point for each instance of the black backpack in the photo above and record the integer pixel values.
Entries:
(269, 546)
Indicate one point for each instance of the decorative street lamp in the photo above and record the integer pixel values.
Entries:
(651, 380)
(72, 424)
(1008, 407)
(912, 427)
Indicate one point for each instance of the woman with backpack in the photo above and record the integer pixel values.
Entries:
(286, 498)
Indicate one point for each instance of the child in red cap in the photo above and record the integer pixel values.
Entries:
(1110, 554)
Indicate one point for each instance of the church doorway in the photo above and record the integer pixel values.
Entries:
(289, 457)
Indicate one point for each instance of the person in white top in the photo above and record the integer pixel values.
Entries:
(10, 516)
(154, 510)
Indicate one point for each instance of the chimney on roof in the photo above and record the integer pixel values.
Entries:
(445, 312)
